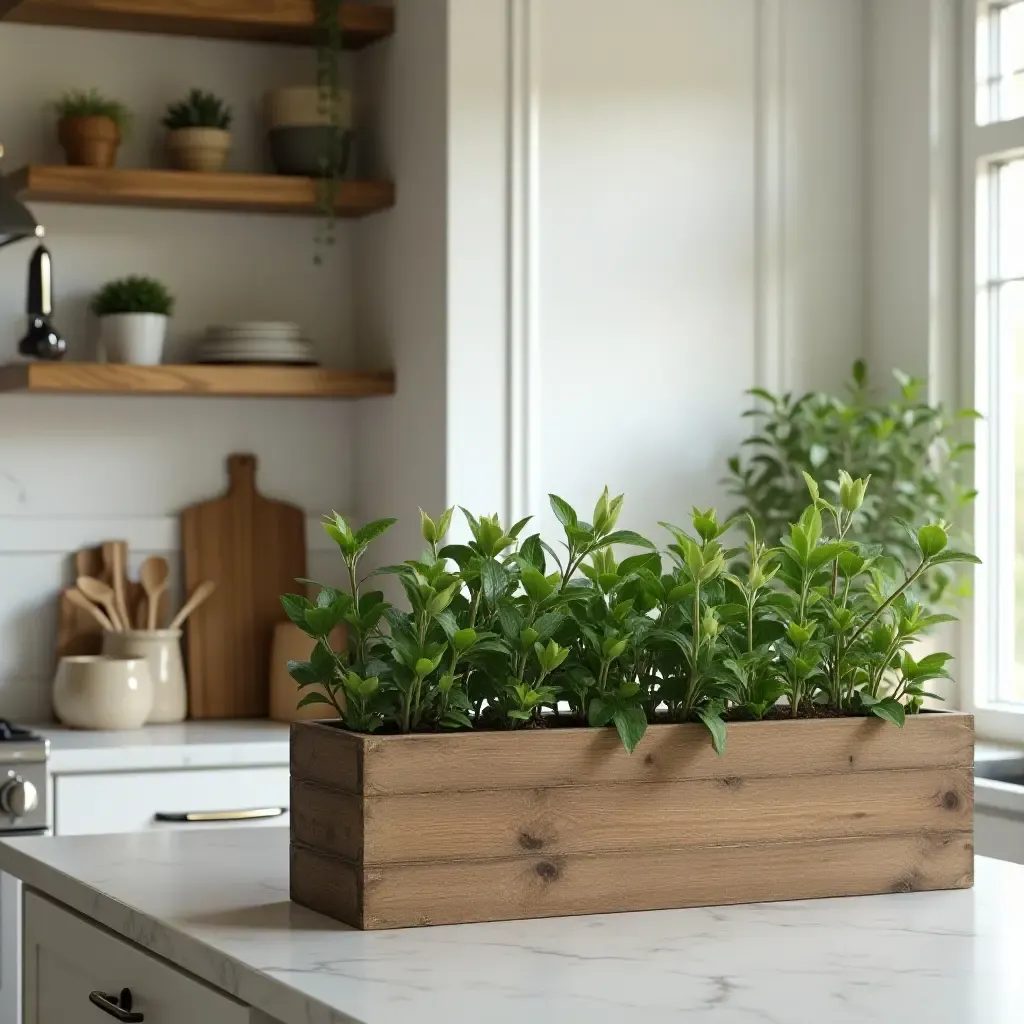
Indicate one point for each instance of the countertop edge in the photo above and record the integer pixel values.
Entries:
(229, 754)
(256, 989)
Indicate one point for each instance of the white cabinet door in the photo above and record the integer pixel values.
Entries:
(71, 963)
(192, 798)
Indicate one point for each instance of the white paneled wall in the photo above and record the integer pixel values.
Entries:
(77, 471)
(673, 202)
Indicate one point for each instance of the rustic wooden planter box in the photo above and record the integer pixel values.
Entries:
(392, 831)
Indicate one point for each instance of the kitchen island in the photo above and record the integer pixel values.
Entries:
(214, 905)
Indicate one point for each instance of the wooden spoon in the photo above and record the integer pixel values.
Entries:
(103, 595)
(153, 575)
(114, 555)
(77, 598)
(199, 595)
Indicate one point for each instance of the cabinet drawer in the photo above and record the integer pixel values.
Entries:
(67, 958)
(135, 801)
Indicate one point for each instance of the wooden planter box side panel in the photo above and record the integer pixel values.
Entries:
(795, 809)
(441, 763)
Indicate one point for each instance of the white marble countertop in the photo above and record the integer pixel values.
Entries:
(201, 744)
(216, 904)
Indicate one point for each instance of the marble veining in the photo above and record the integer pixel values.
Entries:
(216, 904)
(212, 744)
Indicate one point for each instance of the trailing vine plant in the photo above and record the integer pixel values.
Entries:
(508, 632)
(328, 82)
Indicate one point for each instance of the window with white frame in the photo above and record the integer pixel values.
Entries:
(994, 146)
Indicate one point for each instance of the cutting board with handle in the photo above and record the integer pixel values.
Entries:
(253, 548)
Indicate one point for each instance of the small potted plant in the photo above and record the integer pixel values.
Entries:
(133, 314)
(90, 127)
(197, 132)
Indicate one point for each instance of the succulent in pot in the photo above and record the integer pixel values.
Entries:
(198, 138)
(90, 127)
(133, 313)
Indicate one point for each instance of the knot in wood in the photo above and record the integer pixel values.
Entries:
(950, 800)
(529, 842)
(547, 870)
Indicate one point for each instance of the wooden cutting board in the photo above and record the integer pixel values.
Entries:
(253, 548)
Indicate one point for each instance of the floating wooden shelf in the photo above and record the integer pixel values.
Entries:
(272, 21)
(255, 193)
(225, 381)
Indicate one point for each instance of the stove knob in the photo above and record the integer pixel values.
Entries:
(18, 797)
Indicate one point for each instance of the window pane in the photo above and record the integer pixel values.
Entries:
(1011, 220)
(1000, 61)
(1011, 340)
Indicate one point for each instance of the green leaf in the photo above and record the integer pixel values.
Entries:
(932, 540)
(628, 537)
(320, 621)
(518, 528)
(304, 673)
(295, 608)
(493, 581)
(313, 698)
(463, 639)
(631, 724)
(818, 455)
(536, 583)
(955, 556)
(564, 512)
(532, 551)
(711, 717)
(891, 710)
(600, 712)
(371, 531)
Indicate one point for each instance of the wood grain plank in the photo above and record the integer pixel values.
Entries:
(326, 885)
(327, 756)
(276, 21)
(326, 820)
(563, 757)
(604, 819)
(399, 896)
(195, 190)
(203, 380)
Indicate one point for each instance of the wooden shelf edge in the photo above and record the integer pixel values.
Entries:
(248, 381)
(285, 21)
(193, 190)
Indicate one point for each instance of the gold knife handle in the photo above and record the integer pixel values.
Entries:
(247, 814)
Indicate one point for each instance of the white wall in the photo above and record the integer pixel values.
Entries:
(673, 202)
(76, 471)
(400, 279)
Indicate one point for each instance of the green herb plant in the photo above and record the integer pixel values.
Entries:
(132, 294)
(908, 447)
(506, 632)
(198, 110)
(92, 103)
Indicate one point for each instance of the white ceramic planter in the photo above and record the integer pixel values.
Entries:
(198, 149)
(98, 692)
(133, 337)
(162, 650)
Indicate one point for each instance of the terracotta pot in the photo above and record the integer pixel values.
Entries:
(89, 141)
(198, 149)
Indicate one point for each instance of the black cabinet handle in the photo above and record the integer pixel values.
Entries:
(248, 814)
(119, 1007)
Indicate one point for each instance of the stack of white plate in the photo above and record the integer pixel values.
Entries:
(255, 342)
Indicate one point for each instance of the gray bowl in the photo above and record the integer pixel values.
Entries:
(309, 150)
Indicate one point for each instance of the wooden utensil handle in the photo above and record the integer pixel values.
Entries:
(241, 473)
